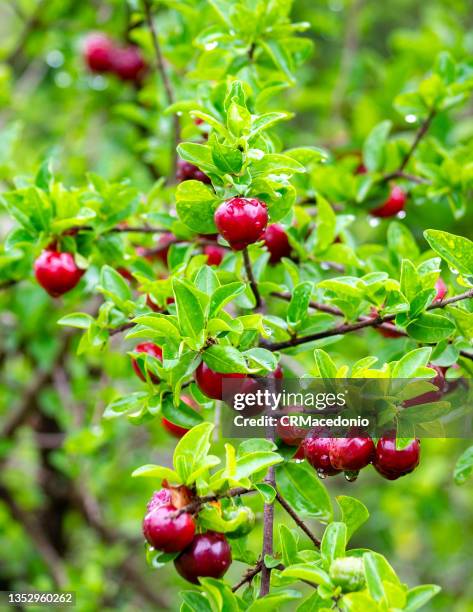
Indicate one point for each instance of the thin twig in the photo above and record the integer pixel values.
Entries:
(249, 575)
(196, 504)
(268, 523)
(421, 132)
(365, 322)
(299, 522)
(251, 278)
(161, 68)
(33, 531)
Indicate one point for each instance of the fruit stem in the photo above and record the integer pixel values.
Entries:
(299, 522)
(251, 278)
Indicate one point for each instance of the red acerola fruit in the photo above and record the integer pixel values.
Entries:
(159, 498)
(154, 307)
(430, 396)
(128, 64)
(392, 463)
(361, 169)
(351, 454)
(394, 204)
(292, 435)
(241, 221)
(215, 254)
(188, 172)
(278, 373)
(127, 275)
(209, 555)
(317, 453)
(150, 349)
(57, 272)
(441, 289)
(98, 52)
(210, 382)
(167, 532)
(277, 242)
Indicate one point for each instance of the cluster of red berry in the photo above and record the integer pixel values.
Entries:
(102, 55)
(172, 530)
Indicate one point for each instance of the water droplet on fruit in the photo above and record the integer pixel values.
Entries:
(351, 476)
(321, 474)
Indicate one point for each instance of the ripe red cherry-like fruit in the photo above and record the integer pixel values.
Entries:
(210, 382)
(317, 453)
(394, 204)
(151, 349)
(215, 254)
(241, 221)
(128, 64)
(441, 288)
(188, 172)
(99, 50)
(430, 396)
(277, 242)
(209, 555)
(392, 463)
(292, 435)
(351, 454)
(278, 373)
(167, 532)
(57, 272)
(159, 498)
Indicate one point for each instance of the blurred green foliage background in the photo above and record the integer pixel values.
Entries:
(77, 474)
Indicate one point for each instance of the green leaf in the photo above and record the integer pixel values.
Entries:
(325, 229)
(273, 601)
(160, 323)
(297, 309)
(420, 596)
(195, 205)
(354, 513)
(206, 280)
(251, 463)
(302, 489)
(401, 241)
(229, 160)
(81, 320)
(324, 364)
(430, 328)
(225, 359)
(194, 602)
(288, 544)
(182, 415)
(307, 571)
(374, 148)
(407, 366)
(191, 450)
(198, 154)
(267, 492)
(334, 542)
(464, 466)
(220, 595)
(261, 359)
(189, 310)
(114, 284)
(223, 295)
(156, 471)
(457, 251)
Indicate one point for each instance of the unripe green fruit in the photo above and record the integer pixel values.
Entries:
(247, 518)
(347, 573)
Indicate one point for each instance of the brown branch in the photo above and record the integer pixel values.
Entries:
(299, 522)
(16, 56)
(35, 533)
(360, 324)
(251, 278)
(268, 523)
(249, 575)
(42, 379)
(121, 328)
(421, 132)
(161, 68)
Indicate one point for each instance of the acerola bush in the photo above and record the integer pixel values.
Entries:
(166, 227)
